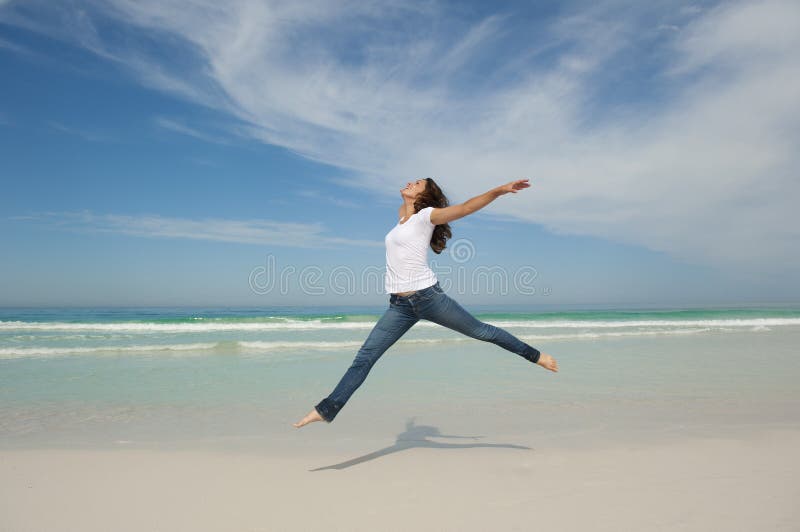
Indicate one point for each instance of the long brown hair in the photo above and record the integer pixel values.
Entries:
(433, 196)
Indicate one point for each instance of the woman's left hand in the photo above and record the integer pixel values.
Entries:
(514, 186)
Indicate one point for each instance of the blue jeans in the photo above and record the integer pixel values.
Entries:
(432, 304)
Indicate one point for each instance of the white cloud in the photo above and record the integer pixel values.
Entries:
(705, 168)
(179, 127)
(253, 231)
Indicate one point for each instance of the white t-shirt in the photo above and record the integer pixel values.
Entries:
(407, 254)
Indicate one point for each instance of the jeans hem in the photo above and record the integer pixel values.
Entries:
(323, 412)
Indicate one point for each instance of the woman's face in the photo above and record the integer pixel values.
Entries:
(413, 188)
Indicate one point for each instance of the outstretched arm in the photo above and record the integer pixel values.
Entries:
(454, 212)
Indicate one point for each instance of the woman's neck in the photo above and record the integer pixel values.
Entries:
(409, 208)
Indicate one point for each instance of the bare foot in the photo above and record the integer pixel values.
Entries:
(548, 362)
(310, 418)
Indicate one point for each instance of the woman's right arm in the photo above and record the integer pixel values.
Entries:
(448, 214)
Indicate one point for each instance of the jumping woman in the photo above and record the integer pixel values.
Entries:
(414, 291)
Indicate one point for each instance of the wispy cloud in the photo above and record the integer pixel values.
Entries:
(317, 195)
(10, 46)
(183, 129)
(91, 136)
(253, 231)
(683, 141)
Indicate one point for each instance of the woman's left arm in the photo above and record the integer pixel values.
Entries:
(454, 212)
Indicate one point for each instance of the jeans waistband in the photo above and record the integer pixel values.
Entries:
(416, 295)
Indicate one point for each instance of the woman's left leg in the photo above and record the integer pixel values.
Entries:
(444, 310)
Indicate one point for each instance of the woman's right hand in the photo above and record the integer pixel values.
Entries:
(514, 186)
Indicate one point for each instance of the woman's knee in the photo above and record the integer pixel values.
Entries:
(364, 360)
(484, 331)
(370, 351)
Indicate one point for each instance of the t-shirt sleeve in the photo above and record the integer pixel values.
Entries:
(425, 215)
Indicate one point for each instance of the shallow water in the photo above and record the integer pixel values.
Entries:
(121, 376)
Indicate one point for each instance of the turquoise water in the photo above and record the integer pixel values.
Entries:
(287, 333)
(122, 373)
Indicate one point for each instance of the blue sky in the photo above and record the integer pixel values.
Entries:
(160, 153)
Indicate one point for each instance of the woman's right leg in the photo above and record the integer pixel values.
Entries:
(397, 319)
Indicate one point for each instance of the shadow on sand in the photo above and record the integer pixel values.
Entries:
(416, 436)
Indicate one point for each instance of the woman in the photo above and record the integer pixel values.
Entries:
(414, 291)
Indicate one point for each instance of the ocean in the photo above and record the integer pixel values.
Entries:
(156, 376)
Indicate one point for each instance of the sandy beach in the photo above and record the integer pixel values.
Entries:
(749, 482)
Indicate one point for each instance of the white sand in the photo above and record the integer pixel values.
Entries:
(743, 483)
